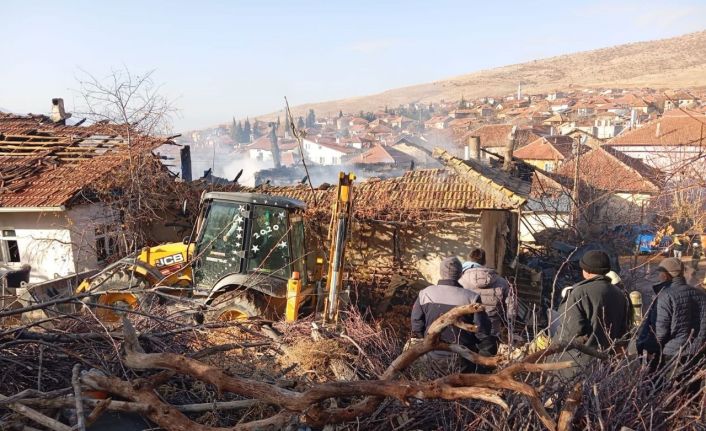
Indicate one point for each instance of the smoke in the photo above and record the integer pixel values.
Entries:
(232, 165)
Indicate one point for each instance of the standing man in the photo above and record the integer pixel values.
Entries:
(680, 319)
(593, 308)
(695, 256)
(494, 290)
(435, 300)
(679, 247)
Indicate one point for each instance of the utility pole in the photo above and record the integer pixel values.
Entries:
(576, 147)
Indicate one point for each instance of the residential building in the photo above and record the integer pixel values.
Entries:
(324, 153)
(51, 217)
(672, 143)
(547, 153)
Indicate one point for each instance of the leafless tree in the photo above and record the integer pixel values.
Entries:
(123, 97)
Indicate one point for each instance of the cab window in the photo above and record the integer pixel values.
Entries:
(269, 242)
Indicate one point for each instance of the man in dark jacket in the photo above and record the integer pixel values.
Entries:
(680, 321)
(437, 299)
(494, 290)
(592, 308)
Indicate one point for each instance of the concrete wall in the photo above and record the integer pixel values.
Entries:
(56, 244)
(44, 242)
(534, 223)
(84, 220)
(664, 157)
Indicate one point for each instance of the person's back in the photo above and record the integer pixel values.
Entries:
(680, 326)
(433, 301)
(597, 309)
(594, 308)
(494, 290)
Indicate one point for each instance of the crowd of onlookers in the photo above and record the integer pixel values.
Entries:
(596, 312)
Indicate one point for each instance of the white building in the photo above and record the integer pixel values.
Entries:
(670, 143)
(49, 217)
(324, 153)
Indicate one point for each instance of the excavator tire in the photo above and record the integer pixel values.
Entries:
(236, 305)
(118, 287)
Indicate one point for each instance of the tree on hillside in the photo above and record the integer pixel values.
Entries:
(310, 118)
(234, 131)
(256, 129)
(239, 135)
(462, 103)
(340, 113)
(247, 131)
(300, 123)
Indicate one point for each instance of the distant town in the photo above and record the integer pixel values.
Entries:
(641, 124)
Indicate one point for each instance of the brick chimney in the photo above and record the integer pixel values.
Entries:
(58, 114)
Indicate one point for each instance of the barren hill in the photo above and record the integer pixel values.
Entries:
(668, 63)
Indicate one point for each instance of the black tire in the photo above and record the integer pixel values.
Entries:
(236, 305)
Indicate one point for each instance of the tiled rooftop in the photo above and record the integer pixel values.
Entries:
(45, 164)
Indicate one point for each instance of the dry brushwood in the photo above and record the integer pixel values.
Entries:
(308, 407)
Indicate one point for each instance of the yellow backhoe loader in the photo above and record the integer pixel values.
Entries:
(247, 258)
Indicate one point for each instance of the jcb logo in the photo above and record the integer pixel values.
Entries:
(170, 260)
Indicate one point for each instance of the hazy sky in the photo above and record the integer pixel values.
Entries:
(220, 59)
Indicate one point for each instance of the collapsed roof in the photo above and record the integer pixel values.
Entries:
(46, 164)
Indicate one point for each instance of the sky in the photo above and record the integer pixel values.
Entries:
(222, 59)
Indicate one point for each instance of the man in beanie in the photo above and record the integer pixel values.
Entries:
(593, 308)
(435, 300)
(676, 321)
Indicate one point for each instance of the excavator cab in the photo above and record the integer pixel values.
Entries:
(247, 249)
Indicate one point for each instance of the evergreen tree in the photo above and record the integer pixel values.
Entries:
(247, 131)
(239, 135)
(300, 123)
(256, 129)
(340, 113)
(386, 110)
(310, 118)
(234, 131)
(462, 103)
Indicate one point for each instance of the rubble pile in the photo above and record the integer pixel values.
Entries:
(154, 370)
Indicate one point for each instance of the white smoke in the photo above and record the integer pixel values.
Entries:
(231, 166)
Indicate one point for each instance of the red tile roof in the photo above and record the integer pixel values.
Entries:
(425, 190)
(44, 164)
(379, 154)
(495, 135)
(546, 148)
(607, 169)
(674, 128)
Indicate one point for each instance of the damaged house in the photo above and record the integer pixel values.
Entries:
(404, 226)
(52, 176)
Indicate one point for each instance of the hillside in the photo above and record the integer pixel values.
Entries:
(667, 63)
